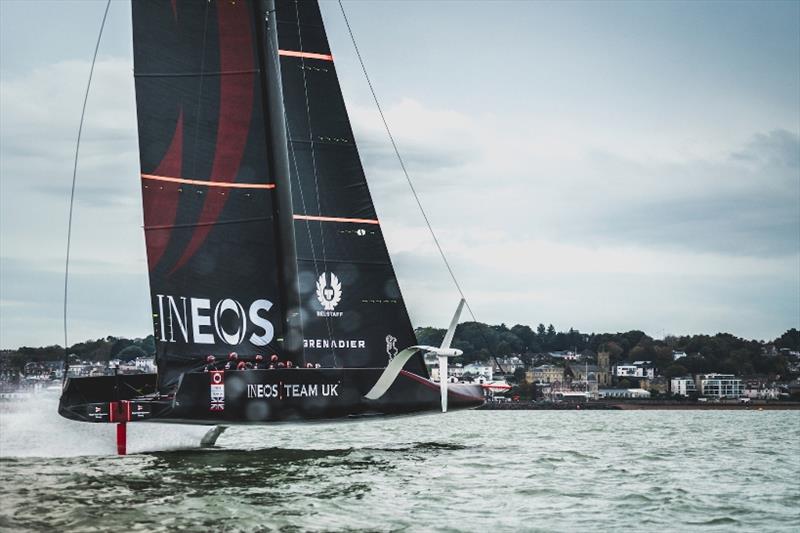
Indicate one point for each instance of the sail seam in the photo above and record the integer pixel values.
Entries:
(205, 183)
(216, 223)
(344, 144)
(346, 262)
(193, 74)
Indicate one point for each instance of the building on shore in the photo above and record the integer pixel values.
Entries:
(719, 386)
(603, 369)
(683, 386)
(583, 372)
(631, 394)
(507, 365)
(479, 370)
(545, 374)
(637, 369)
(759, 389)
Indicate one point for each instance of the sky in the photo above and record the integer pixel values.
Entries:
(600, 166)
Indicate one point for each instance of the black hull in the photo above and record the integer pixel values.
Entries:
(256, 397)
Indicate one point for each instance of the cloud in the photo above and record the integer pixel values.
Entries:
(542, 220)
(102, 301)
(742, 201)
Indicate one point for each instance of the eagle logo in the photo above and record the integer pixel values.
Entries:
(391, 346)
(329, 296)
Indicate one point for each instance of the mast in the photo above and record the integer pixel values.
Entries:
(278, 161)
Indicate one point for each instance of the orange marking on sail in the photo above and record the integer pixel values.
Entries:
(307, 55)
(205, 183)
(337, 219)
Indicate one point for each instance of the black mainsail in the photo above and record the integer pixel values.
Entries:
(261, 233)
(211, 208)
(353, 313)
(209, 212)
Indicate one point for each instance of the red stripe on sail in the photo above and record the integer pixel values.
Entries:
(306, 55)
(161, 205)
(337, 219)
(235, 111)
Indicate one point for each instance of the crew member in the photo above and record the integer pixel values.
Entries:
(259, 363)
(233, 359)
(209, 364)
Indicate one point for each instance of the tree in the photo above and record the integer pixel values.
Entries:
(674, 371)
(790, 339)
(526, 335)
(148, 344)
(117, 346)
(130, 353)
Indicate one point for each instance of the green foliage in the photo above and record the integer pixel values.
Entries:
(130, 353)
(790, 339)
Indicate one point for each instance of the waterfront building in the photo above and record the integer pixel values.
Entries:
(758, 389)
(637, 369)
(570, 396)
(682, 386)
(677, 354)
(477, 370)
(145, 365)
(584, 372)
(603, 369)
(720, 386)
(623, 393)
(546, 374)
(508, 364)
(454, 372)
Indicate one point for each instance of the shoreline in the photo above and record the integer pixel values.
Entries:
(637, 406)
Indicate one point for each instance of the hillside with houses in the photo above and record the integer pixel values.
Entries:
(550, 365)
(540, 363)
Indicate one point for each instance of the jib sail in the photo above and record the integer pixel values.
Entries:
(208, 196)
(353, 313)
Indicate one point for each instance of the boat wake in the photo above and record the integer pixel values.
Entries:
(34, 429)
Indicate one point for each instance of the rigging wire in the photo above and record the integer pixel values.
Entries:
(72, 192)
(408, 178)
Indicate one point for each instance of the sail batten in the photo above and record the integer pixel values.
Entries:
(209, 183)
(305, 55)
(337, 219)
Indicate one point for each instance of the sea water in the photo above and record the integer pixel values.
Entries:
(463, 471)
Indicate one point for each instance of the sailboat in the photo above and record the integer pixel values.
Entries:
(263, 245)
